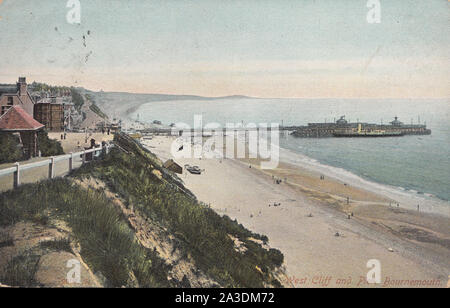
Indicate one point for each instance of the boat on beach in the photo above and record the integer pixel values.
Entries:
(193, 169)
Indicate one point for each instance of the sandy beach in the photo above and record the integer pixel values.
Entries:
(326, 240)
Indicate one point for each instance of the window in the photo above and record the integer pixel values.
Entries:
(10, 101)
(4, 109)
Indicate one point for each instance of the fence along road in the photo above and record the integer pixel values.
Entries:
(50, 167)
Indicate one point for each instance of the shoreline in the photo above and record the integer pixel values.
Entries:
(409, 245)
(406, 198)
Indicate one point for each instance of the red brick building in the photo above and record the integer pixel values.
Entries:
(50, 112)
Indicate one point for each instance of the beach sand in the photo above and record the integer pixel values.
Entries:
(410, 246)
(76, 142)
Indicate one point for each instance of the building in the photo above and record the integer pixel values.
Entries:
(17, 120)
(173, 166)
(50, 112)
(396, 122)
(18, 95)
(342, 121)
(109, 127)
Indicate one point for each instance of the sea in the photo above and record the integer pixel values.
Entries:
(419, 165)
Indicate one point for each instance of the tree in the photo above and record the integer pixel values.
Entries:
(49, 147)
(10, 150)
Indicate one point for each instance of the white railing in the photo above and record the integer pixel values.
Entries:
(50, 162)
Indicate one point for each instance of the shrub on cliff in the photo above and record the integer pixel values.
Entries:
(77, 99)
(47, 146)
(10, 150)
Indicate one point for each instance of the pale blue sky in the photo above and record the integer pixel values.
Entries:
(263, 48)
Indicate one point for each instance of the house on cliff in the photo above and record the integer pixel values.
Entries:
(17, 121)
(18, 95)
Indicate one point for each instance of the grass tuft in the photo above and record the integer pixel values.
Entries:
(62, 244)
(20, 270)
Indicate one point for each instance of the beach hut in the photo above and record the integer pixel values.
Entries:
(173, 166)
(17, 120)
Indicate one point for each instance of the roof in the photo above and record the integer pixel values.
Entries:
(8, 89)
(342, 120)
(396, 122)
(169, 163)
(17, 119)
(51, 100)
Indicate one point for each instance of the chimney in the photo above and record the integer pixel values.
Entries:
(22, 86)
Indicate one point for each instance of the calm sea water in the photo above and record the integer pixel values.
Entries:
(420, 164)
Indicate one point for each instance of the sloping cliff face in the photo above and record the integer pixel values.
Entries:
(129, 222)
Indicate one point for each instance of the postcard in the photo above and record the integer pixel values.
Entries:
(245, 146)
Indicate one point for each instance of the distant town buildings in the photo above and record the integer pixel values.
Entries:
(22, 116)
(44, 108)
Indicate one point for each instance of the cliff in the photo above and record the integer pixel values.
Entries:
(129, 222)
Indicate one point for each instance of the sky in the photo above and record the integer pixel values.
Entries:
(261, 48)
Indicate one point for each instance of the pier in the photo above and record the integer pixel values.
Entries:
(205, 131)
(339, 128)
